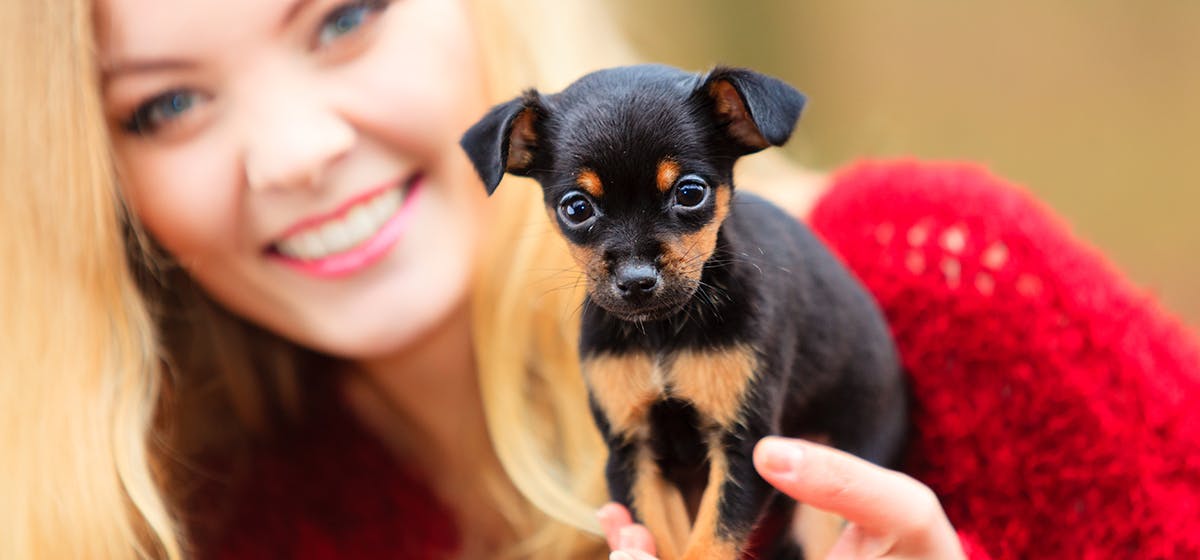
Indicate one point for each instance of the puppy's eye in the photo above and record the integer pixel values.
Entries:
(575, 209)
(690, 192)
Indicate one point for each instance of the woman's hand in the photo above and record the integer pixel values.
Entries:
(889, 514)
(628, 540)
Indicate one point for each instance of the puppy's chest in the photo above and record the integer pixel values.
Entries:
(714, 381)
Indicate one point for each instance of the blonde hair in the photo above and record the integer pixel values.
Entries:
(110, 374)
(80, 379)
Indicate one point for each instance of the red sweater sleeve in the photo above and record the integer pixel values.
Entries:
(323, 490)
(1053, 411)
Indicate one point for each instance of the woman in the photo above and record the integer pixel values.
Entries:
(329, 343)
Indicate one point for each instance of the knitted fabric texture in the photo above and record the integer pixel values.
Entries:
(1053, 412)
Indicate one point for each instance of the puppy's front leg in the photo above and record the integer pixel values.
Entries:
(733, 500)
(656, 503)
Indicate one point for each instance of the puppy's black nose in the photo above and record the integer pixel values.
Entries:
(636, 279)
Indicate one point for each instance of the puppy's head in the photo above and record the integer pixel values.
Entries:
(636, 168)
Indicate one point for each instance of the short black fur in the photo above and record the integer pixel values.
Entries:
(824, 363)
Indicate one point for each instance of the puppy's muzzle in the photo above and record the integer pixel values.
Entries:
(636, 281)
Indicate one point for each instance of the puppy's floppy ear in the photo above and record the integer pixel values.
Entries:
(505, 139)
(754, 110)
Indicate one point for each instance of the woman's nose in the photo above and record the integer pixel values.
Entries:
(293, 141)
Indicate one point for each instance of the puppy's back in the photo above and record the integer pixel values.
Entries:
(811, 307)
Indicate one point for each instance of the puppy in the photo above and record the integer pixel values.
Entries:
(712, 318)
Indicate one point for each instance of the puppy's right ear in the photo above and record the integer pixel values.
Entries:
(754, 110)
(505, 139)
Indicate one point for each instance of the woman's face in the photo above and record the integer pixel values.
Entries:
(299, 157)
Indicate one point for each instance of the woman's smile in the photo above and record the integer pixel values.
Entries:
(302, 178)
(352, 237)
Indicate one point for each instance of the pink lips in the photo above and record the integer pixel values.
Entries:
(367, 252)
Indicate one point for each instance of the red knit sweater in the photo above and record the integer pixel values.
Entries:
(1051, 415)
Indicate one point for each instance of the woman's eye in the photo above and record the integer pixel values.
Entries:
(160, 110)
(347, 18)
(575, 209)
(690, 193)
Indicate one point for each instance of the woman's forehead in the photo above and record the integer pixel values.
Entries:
(135, 31)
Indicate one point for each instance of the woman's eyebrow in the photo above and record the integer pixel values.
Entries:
(295, 9)
(123, 67)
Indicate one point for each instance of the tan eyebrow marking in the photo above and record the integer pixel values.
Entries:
(589, 181)
(668, 171)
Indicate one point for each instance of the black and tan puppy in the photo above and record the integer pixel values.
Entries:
(713, 318)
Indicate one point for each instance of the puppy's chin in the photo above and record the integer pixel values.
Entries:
(655, 309)
(645, 315)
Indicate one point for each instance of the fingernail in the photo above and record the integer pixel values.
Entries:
(619, 555)
(781, 457)
(627, 537)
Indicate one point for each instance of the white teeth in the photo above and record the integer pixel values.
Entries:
(335, 237)
(386, 204)
(359, 223)
(309, 244)
(354, 227)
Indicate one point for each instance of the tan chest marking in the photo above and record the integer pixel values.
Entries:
(625, 386)
(714, 381)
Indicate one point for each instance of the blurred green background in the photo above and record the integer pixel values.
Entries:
(1094, 106)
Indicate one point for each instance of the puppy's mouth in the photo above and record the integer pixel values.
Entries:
(666, 304)
(647, 316)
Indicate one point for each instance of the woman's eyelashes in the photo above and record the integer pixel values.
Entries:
(346, 19)
(160, 110)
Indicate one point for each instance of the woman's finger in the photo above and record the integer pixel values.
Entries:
(621, 532)
(613, 517)
(636, 538)
(838, 482)
(630, 555)
(888, 510)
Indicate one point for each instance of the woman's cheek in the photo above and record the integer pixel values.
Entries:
(187, 196)
(418, 117)
(429, 76)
